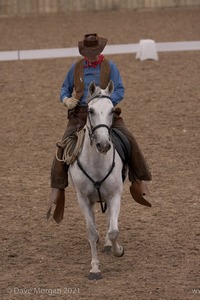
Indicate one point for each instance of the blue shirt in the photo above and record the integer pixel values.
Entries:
(93, 74)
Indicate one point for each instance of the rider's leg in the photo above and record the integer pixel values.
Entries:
(59, 170)
(59, 177)
(138, 168)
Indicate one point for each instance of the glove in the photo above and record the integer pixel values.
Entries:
(70, 102)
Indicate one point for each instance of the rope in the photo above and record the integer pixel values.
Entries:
(71, 147)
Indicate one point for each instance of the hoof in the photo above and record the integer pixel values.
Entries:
(107, 249)
(120, 254)
(94, 276)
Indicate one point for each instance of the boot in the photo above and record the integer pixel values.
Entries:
(139, 190)
(57, 197)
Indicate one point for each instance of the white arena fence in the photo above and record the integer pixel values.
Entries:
(112, 49)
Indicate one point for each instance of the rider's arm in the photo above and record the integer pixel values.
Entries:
(68, 85)
(118, 93)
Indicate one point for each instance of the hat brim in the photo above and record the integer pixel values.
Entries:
(87, 51)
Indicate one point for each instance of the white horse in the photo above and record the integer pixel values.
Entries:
(97, 174)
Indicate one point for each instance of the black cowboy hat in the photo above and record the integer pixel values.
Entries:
(92, 44)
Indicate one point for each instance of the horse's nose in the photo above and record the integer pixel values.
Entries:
(103, 147)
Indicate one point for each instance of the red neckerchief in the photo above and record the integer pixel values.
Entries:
(94, 63)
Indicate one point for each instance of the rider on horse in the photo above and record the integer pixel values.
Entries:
(94, 67)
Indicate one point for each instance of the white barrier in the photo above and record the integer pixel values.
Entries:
(147, 50)
(48, 53)
(9, 55)
(113, 49)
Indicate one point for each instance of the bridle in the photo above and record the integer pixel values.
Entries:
(92, 128)
(98, 183)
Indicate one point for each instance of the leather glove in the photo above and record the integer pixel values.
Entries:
(70, 102)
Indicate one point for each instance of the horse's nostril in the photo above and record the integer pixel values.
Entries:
(103, 148)
(98, 145)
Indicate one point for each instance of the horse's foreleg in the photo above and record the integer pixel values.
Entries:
(93, 237)
(108, 243)
(113, 232)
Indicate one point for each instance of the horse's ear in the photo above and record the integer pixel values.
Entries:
(110, 87)
(92, 88)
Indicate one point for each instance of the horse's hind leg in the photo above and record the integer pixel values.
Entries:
(93, 237)
(113, 232)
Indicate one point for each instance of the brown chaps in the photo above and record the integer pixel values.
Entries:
(138, 168)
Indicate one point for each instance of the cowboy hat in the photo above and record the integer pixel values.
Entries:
(92, 44)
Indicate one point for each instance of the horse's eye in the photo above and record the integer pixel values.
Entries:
(112, 111)
(91, 111)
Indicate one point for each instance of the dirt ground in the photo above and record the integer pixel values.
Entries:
(43, 260)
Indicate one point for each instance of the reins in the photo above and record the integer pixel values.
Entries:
(97, 184)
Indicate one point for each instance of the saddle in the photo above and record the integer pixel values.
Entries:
(123, 148)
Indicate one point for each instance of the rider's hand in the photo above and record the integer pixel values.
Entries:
(70, 102)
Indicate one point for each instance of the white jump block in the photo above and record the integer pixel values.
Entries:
(147, 50)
